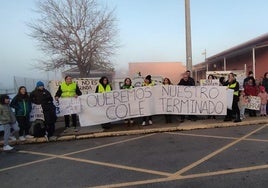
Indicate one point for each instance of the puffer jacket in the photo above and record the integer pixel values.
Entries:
(22, 105)
(6, 115)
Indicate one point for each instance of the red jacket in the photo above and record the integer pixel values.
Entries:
(251, 90)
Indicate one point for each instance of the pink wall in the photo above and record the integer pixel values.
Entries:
(172, 70)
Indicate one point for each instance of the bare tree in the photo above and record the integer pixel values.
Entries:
(75, 32)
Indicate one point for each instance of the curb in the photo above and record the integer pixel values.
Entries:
(141, 131)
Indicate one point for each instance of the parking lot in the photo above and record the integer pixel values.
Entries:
(219, 157)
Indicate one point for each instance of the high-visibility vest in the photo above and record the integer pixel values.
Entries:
(150, 84)
(68, 90)
(102, 90)
(232, 86)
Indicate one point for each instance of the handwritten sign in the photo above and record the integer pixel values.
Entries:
(254, 103)
(213, 82)
(86, 85)
(64, 106)
(100, 108)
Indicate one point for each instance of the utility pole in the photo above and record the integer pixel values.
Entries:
(188, 36)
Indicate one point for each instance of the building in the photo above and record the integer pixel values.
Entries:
(249, 56)
(172, 70)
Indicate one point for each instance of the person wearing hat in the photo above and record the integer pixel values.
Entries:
(68, 88)
(147, 82)
(42, 96)
(8, 120)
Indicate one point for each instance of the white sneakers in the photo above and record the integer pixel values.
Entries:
(12, 138)
(144, 123)
(29, 136)
(22, 138)
(7, 148)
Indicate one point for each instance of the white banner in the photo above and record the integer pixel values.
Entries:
(64, 106)
(86, 85)
(70, 105)
(98, 108)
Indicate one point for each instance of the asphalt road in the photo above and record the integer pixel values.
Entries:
(220, 157)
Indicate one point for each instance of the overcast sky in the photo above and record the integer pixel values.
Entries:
(150, 30)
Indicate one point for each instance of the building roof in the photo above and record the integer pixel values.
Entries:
(258, 42)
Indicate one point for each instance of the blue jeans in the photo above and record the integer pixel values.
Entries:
(7, 133)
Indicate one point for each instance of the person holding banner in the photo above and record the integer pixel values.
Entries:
(168, 117)
(68, 88)
(234, 85)
(210, 78)
(128, 85)
(42, 96)
(147, 82)
(22, 105)
(187, 81)
(102, 87)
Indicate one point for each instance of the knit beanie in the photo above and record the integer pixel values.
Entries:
(39, 83)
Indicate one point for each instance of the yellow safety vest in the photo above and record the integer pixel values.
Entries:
(68, 90)
(151, 84)
(232, 86)
(102, 90)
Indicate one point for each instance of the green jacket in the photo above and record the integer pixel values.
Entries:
(22, 106)
(6, 115)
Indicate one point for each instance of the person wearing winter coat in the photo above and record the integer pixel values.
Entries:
(22, 105)
(42, 97)
(8, 120)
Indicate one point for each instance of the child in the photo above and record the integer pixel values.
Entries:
(168, 117)
(22, 105)
(264, 97)
(8, 120)
(128, 85)
(243, 101)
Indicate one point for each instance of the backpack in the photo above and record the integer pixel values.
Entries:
(39, 128)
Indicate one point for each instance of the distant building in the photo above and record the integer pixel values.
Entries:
(97, 73)
(172, 70)
(249, 56)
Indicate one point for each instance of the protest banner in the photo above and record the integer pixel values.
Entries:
(254, 103)
(112, 106)
(36, 112)
(86, 85)
(64, 106)
(207, 82)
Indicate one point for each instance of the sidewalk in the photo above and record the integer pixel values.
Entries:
(159, 125)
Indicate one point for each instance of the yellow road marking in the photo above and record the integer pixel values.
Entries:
(200, 135)
(187, 168)
(26, 164)
(219, 137)
(191, 176)
(110, 144)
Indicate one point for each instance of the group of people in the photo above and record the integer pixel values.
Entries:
(22, 103)
(242, 96)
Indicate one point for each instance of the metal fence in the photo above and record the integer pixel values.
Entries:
(29, 83)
